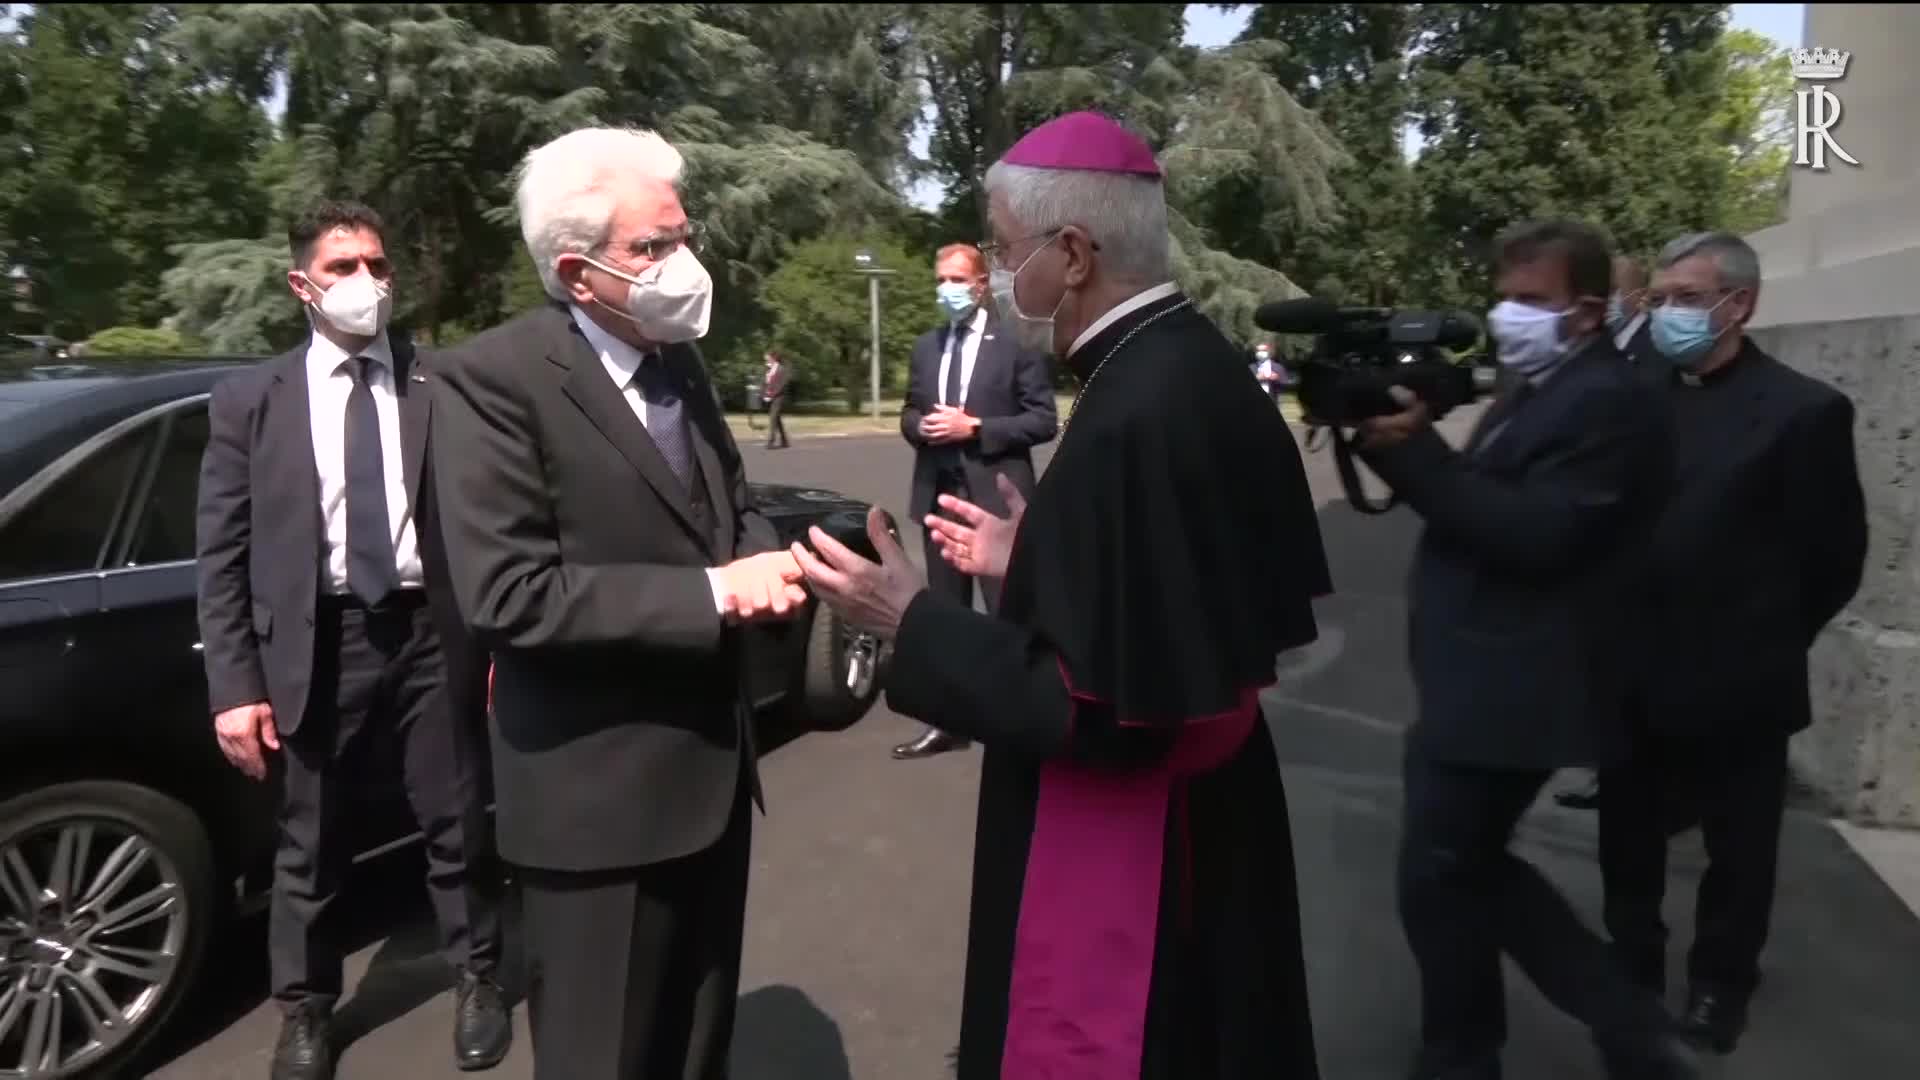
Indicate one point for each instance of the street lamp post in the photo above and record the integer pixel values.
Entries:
(863, 264)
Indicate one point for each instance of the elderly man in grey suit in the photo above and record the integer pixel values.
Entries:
(328, 629)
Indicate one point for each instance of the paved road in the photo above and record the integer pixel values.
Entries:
(854, 940)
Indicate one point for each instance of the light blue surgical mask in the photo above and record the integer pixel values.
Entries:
(1617, 316)
(1685, 335)
(956, 299)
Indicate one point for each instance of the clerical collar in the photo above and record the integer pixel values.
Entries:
(1120, 311)
(1696, 380)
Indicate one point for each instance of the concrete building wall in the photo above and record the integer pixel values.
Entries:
(1841, 301)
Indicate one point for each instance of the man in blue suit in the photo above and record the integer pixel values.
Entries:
(977, 404)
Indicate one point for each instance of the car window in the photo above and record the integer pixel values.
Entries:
(166, 526)
(64, 530)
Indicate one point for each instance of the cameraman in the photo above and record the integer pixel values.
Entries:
(1519, 618)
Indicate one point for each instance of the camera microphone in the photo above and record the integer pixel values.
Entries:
(1304, 315)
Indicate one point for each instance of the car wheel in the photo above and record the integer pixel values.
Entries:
(107, 900)
(841, 674)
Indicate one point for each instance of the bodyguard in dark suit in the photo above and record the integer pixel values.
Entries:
(328, 629)
(977, 404)
(603, 545)
(1519, 630)
(1761, 543)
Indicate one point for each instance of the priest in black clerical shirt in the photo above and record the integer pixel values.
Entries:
(1134, 911)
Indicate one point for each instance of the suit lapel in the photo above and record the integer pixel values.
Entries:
(416, 413)
(988, 353)
(286, 442)
(704, 432)
(592, 390)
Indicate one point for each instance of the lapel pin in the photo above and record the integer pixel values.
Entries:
(419, 378)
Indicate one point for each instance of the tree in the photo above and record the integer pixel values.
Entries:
(116, 152)
(138, 341)
(1756, 126)
(1591, 111)
(823, 319)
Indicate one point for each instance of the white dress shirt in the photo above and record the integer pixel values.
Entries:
(969, 352)
(1121, 310)
(329, 382)
(622, 361)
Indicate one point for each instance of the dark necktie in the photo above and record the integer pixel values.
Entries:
(955, 341)
(371, 571)
(666, 421)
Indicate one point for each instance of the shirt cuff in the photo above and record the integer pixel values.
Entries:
(719, 591)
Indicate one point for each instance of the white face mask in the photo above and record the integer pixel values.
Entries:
(1528, 337)
(1028, 331)
(669, 301)
(359, 305)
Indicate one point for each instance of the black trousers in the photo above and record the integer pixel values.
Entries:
(634, 972)
(1465, 899)
(378, 692)
(1737, 789)
(776, 428)
(942, 578)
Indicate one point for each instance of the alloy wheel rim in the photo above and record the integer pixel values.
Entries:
(862, 652)
(93, 921)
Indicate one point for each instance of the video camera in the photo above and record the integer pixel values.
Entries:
(1358, 354)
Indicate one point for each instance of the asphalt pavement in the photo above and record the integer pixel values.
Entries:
(855, 923)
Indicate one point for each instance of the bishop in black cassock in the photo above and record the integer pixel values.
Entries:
(1134, 913)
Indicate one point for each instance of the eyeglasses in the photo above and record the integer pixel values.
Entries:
(1687, 298)
(996, 253)
(692, 236)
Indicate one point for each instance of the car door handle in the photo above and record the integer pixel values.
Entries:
(199, 646)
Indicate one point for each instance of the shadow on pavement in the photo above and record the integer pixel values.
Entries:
(780, 1034)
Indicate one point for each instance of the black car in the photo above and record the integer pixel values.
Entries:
(126, 839)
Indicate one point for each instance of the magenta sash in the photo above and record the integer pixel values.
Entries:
(1084, 947)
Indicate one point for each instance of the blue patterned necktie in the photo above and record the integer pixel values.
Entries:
(666, 421)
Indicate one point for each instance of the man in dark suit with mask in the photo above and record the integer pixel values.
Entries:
(328, 628)
(603, 543)
(1521, 625)
(977, 404)
(1762, 543)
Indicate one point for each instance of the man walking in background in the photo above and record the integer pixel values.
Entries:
(977, 404)
(329, 628)
(774, 390)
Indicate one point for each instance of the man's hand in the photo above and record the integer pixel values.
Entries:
(1379, 432)
(871, 596)
(242, 731)
(978, 543)
(762, 586)
(948, 424)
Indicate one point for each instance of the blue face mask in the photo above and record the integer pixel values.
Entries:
(956, 299)
(1684, 335)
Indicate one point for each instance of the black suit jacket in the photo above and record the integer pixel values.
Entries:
(1761, 545)
(1011, 392)
(620, 728)
(1523, 602)
(260, 538)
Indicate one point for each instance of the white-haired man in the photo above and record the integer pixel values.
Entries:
(602, 542)
(1134, 909)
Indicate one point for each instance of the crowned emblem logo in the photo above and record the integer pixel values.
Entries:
(1819, 63)
(1817, 109)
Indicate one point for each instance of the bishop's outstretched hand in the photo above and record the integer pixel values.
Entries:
(978, 543)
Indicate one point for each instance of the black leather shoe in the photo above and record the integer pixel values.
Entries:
(482, 1024)
(1586, 798)
(932, 741)
(304, 1051)
(1714, 1020)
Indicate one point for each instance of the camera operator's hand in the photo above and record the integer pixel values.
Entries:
(1379, 432)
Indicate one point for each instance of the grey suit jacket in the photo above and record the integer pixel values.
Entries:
(620, 727)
